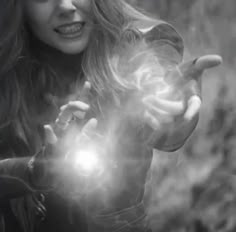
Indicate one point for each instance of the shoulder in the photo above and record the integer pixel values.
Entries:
(155, 30)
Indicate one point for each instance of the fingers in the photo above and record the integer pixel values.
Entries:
(207, 61)
(160, 112)
(85, 92)
(163, 112)
(151, 120)
(50, 136)
(90, 126)
(171, 107)
(75, 105)
(66, 115)
(193, 69)
(194, 105)
(75, 108)
(84, 97)
(70, 108)
(87, 131)
(88, 136)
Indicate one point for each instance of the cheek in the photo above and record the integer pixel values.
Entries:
(84, 4)
(38, 15)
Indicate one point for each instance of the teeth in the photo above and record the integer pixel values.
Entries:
(69, 29)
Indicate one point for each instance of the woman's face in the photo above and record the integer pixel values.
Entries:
(62, 24)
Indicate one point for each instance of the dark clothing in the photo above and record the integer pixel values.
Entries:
(8, 220)
(119, 206)
(60, 217)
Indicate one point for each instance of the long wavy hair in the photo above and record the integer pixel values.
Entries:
(23, 82)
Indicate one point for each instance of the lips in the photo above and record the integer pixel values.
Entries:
(70, 30)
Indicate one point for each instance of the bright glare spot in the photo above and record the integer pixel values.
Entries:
(87, 161)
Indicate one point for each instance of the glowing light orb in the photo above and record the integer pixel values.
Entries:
(87, 162)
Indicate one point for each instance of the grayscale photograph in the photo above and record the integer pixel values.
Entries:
(117, 116)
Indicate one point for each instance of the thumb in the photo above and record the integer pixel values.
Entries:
(207, 61)
(193, 69)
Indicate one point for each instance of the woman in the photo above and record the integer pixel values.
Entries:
(47, 52)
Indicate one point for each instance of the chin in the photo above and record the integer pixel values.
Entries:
(72, 48)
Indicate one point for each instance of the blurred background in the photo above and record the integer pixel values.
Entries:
(194, 189)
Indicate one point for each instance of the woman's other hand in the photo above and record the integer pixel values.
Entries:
(51, 160)
(177, 117)
(73, 109)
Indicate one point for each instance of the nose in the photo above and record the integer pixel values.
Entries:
(66, 7)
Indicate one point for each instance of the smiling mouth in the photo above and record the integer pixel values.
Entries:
(71, 30)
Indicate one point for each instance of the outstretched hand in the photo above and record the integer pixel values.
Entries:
(59, 164)
(78, 109)
(187, 80)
